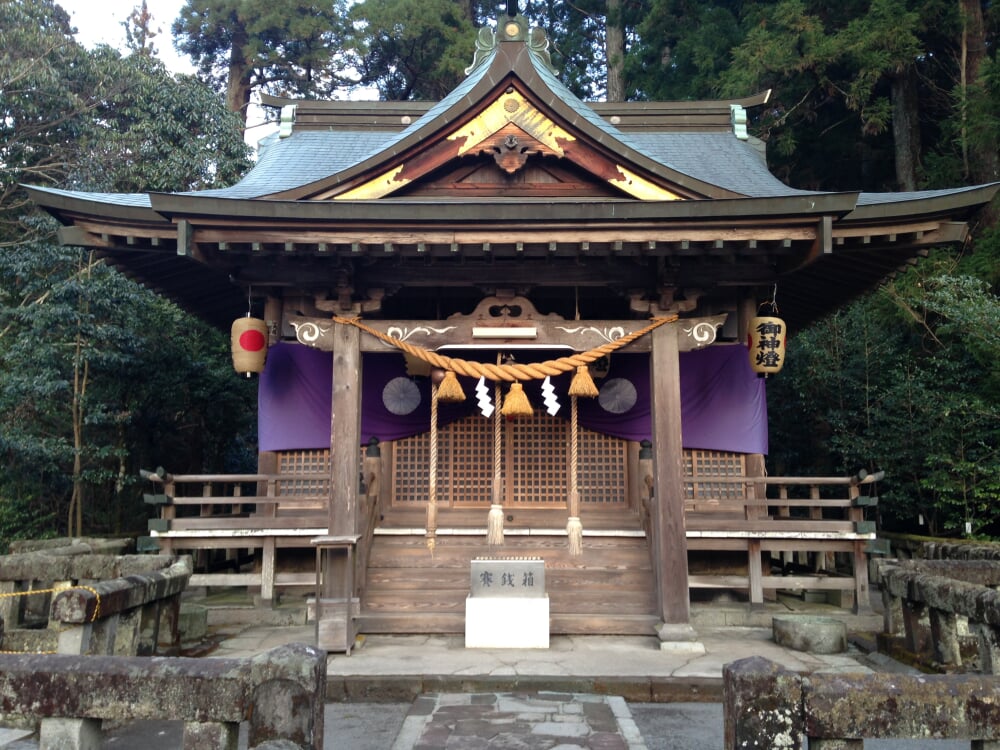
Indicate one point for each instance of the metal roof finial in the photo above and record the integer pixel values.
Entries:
(512, 8)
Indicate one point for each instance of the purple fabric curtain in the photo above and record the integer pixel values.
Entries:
(723, 404)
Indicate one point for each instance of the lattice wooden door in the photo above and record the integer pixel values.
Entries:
(701, 466)
(533, 470)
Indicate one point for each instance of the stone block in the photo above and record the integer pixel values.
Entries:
(70, 734)
(815, 635)
(760, 705)
(193, 622)
(210, 735)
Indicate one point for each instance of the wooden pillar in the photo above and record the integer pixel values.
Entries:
(670, 562)
(267, 563)
(345, 438)
(345, 430)
(267, 463)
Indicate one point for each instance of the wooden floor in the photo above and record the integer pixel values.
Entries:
(607, 590)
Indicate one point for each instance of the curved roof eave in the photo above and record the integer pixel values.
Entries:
(124, 207)
(877, 207)
(516, 211)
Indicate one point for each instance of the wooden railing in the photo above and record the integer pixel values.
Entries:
(229, 514)
(802, 524)
(813, 528)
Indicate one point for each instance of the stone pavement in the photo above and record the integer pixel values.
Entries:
(401, 667)
(575, 694)
(479, 721)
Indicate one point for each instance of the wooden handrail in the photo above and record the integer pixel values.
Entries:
(785, 481)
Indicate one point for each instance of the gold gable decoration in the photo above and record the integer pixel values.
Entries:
(510, 129)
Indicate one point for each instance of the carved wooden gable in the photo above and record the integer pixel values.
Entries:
(511, 144)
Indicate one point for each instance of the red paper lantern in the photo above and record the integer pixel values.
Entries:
(248, 340)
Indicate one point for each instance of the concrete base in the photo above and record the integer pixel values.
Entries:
(812, 634)
(679, 639)
(507, 622)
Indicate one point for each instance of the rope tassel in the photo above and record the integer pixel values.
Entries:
(450, 389)
(516, 404)
(494, 526)
(574, 527)
(583, 384)
(431, 531)
(494, 521)
(431, 527)
(574, 530)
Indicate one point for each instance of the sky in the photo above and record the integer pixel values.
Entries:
(98, 22)
(101, 22)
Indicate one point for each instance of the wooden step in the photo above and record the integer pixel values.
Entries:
(618, 517)
(454, 624)
(607, 590)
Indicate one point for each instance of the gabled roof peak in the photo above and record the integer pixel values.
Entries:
(512, 28)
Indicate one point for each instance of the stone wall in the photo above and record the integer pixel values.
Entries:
(280, 693)
(86, 597)
(766, 706)
(942, 612)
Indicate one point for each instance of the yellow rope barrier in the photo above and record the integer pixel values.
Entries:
(35, 592)
(512, 371)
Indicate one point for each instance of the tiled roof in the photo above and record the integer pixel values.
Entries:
(136, 200)
(302, 158)
(718, 158)
(309, 156)
(870, 199)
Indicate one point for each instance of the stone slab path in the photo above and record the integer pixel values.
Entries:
(519, 721)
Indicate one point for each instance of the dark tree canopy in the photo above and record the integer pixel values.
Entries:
(412, 49)
(99, 377)
(283, 47)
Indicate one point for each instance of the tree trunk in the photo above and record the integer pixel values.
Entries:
(240, 72)
(81, 372)
(614, 51)
(982, 162)
(906, 128)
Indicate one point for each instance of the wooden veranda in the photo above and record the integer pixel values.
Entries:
(749, 534)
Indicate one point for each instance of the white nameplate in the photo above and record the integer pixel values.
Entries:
(505, 333)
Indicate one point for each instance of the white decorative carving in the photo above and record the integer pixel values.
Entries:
(402, 334)
(608, 334)
(702, 333)
(309, 333)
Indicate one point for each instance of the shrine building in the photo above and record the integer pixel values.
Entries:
(514, 324)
